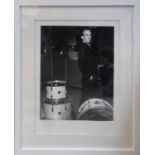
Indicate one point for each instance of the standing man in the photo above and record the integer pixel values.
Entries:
(88, 65)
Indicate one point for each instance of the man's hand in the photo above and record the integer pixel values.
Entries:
(91, 77)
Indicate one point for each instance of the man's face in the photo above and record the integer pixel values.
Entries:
(86, 37)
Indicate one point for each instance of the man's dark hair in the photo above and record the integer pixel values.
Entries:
(85, 29)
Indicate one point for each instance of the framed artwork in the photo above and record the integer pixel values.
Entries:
(77, 77)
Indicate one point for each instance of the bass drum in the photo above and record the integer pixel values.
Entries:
(58, 109)
(95, 109)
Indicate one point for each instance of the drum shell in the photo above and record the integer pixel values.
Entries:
(58, 92)
(58, 111)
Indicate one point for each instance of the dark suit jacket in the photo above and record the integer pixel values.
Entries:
(87, 62)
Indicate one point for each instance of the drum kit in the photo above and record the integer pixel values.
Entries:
(58, 105)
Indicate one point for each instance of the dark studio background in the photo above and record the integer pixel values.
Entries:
(59, 47)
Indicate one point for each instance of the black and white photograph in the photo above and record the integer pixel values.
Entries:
(77, 77)
(77, 73)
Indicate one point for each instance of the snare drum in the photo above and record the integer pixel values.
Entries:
(95, 109)
(58, 109)
(56, 89)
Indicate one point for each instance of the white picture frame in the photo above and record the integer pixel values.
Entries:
(34, 136)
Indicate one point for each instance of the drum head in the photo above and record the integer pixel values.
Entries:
(95, 109)
(57, 83)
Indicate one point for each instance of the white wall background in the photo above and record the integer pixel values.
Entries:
(147, 77)
(6, 77)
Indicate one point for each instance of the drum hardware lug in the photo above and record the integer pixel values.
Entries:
(65, 107)
(52, 108)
